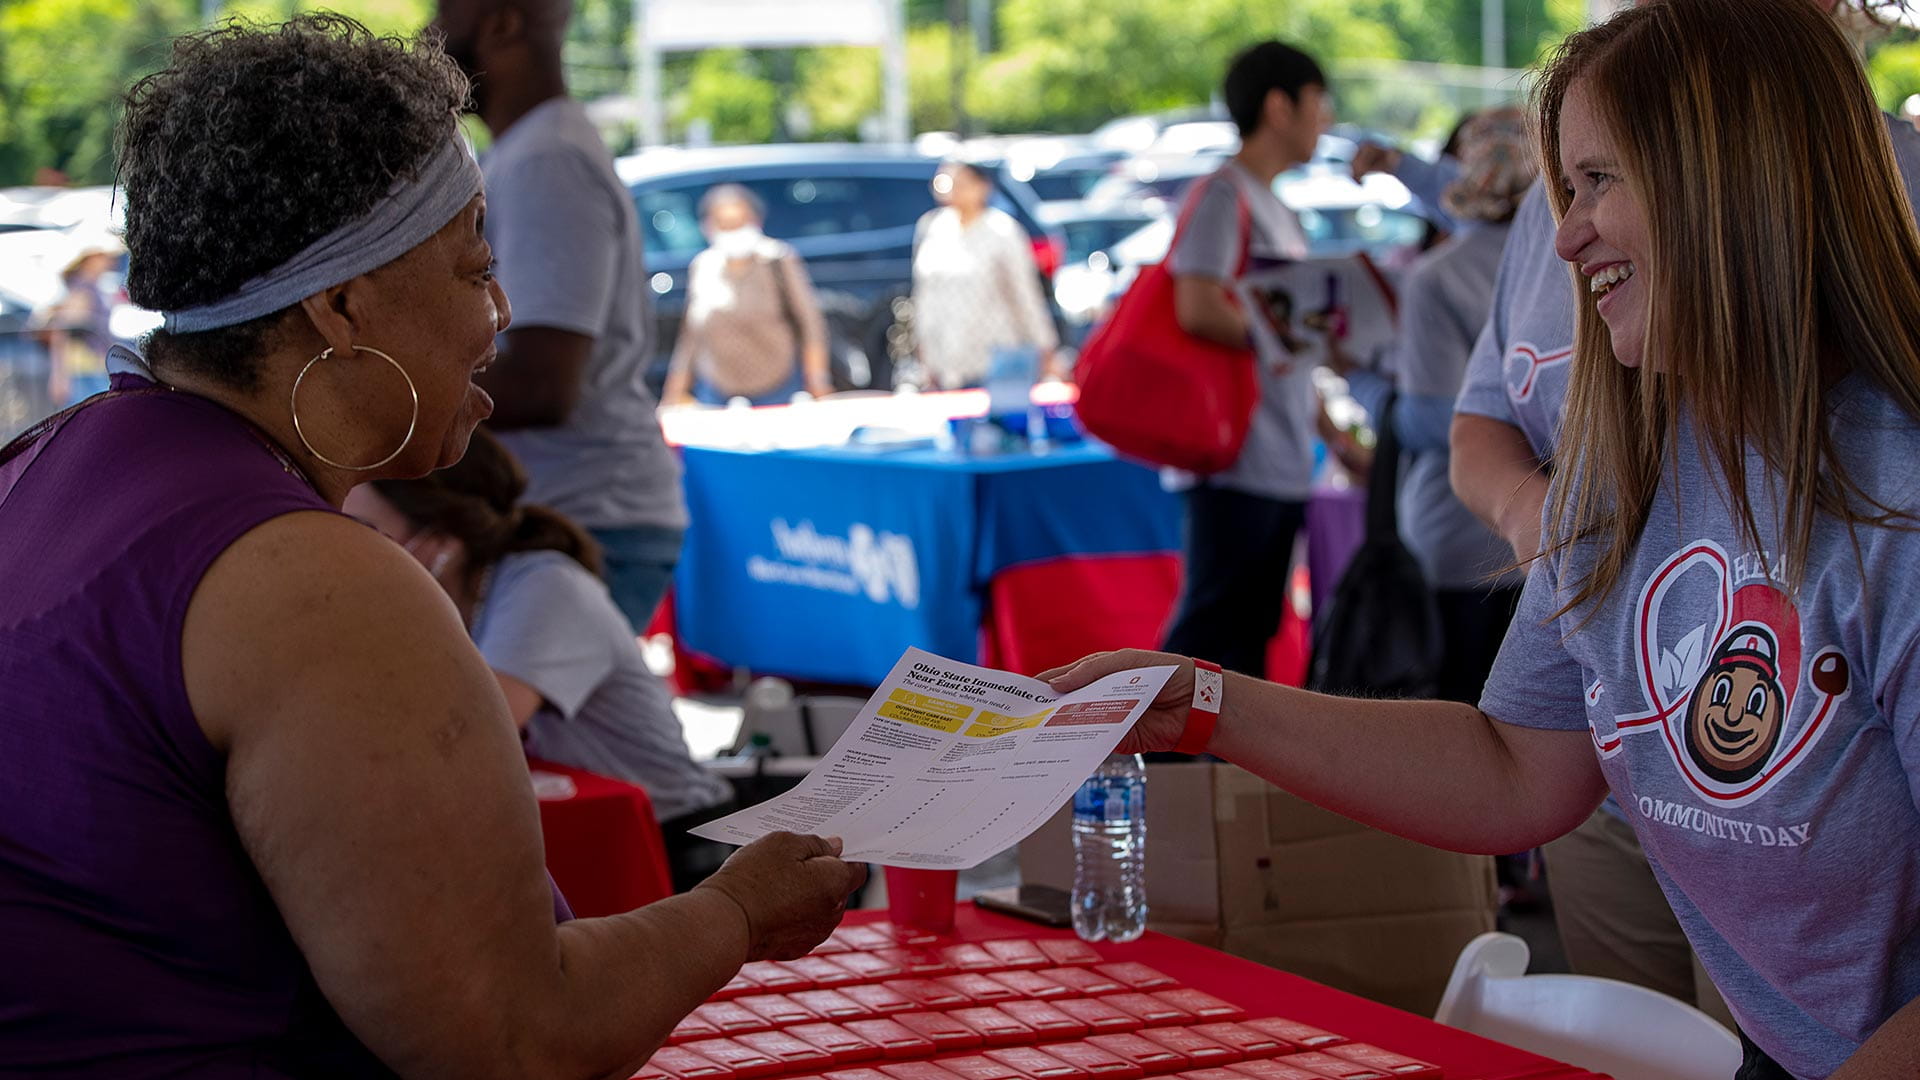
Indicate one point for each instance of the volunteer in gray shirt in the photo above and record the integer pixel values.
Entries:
(1241, 521)
(1613, 918)
(569, 399)
(1443, 302)
(1717, 635)
(524, 579)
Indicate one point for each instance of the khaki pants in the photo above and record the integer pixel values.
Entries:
(1614, 920)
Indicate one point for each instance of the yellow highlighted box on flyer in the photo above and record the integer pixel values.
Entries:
(924, 711)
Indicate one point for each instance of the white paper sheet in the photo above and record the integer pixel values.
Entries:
(949, 763)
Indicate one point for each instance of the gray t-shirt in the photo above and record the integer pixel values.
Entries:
(567, 242)
(1764, 746)
(1276, 461)
(549, 623)
(1443, 303)
(1518, 373)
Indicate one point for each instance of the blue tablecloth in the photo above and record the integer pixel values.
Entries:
(826, 564)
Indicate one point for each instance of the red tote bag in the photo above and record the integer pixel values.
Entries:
(1153, 391)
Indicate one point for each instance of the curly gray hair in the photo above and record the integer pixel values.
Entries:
(255, 142)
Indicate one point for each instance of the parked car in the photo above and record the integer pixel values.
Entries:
(1090, 228)
(1059, 168)
(848, 210)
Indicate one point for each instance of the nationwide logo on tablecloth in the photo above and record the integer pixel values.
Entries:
(881, 565)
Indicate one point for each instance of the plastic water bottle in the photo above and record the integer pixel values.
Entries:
(1110, 852)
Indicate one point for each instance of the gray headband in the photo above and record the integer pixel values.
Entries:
(412, 211)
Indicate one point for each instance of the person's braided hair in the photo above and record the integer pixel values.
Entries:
(477, 501)
(256, 141)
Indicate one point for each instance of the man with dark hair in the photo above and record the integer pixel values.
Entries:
(1241, 521)
(567, 386)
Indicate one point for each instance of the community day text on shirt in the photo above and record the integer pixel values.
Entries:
(949, 763)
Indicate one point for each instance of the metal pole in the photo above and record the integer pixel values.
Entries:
(893, 59)
(980, 16)
(1493, 33)
(957, 64)
(652, 121)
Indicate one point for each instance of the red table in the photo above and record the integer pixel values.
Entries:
(604, 848)
(1263, 991)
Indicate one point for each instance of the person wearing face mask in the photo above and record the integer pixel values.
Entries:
(753, 327)
(976, 287)
(525, 579)
(1715, 632)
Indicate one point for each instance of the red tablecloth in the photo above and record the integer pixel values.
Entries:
(604, 848)
(1266, 992)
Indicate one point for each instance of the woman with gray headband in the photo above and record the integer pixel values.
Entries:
(263, 811)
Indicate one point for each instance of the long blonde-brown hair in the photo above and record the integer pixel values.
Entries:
(1783, 257)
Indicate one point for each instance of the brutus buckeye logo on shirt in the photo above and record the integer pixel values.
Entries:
(1730, 697)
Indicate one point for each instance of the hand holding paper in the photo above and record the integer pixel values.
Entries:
(949, 763)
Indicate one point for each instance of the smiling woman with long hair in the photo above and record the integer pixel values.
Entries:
(1716, 634)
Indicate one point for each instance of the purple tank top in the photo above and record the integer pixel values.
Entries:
(136, 938)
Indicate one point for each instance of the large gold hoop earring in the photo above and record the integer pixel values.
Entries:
(293, 404)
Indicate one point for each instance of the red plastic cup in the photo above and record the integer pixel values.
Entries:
(922, 899)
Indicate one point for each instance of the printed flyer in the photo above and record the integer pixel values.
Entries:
(949, 763)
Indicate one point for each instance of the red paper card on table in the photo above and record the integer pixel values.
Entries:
(1031, 984)
(1151, 1010)
(944, 1030)
(1272, 1069)
(927, 994)
(997, 1028)
(649, 1072)
(1048, 1022)
(1197, 1047)
(979, 1067)
(778, 1009)
(1017, 953)
(1295, 1033)
(1387, 1061)
(1083, 980)
(862, 1073)
(731, 1018)
(831, 1004)
(871, 967)
(1137, 975)
(865, 937)
(789, 1050)
(680, 1062)
(1201, 1004)
(693, 1026)
(1101, 1017)
(967, 956)
(741, 983)
(739, 1058)
(1150, 1056)
(884, 1000)
(917, 1070)
(1096, 1062)
(686, 1065)
(1243, 1038)
(1067, 951)
(773, 976)
(822, 971)
(979, 988)
(906, 935)
(1037, 1064)
(1333, 1068)
(918, 962)
(1210, 1074)
(843, 1045)
(893, 1040)
(830, 947)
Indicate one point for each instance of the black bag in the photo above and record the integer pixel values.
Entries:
(1379, 635)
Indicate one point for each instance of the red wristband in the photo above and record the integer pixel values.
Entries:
(1208, 687)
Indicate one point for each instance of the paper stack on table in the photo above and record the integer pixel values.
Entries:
(949, 763)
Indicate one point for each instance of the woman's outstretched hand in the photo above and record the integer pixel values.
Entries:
(1160, 727)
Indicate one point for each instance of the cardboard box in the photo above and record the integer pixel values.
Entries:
(1236, 864)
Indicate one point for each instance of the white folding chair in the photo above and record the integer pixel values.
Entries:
(1602, 1025)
